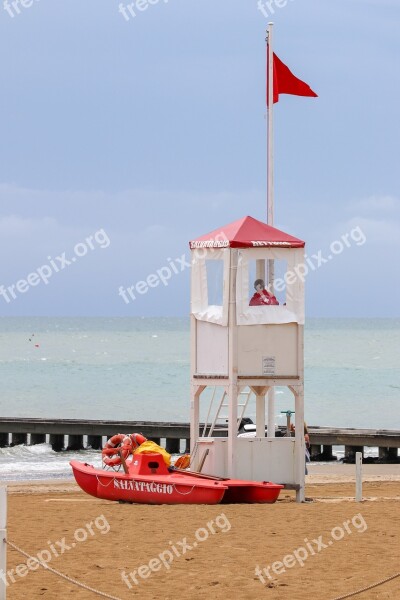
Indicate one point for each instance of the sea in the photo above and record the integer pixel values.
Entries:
(138, 369)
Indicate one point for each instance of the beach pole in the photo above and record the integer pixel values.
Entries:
(270, 198)
(270, 146)
(270, 128)
(358, 476)
(3, 545)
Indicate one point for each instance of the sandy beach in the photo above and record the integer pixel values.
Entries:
(322, 549)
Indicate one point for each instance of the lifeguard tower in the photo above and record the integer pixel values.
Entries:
(237, 347)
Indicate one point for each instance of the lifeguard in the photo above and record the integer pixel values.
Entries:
(262, 297)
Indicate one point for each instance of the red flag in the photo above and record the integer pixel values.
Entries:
(287, 83)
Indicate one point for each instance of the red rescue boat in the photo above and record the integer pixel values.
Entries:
(149, 481)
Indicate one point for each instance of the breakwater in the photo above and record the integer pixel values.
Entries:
(73, 434)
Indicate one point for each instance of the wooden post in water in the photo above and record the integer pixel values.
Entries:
(95, 442)
(18, 439)
(172, 445)
(75, 442)
(38, 438)
(3, 545)
(57, 442)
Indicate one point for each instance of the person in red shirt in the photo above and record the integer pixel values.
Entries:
(262, 297)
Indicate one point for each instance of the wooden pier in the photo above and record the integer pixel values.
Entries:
(71, 434)
(322, 439)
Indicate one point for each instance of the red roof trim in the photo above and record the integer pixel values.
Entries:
(247, 233)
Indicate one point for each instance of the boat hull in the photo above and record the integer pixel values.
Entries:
(148, 481)
(144, 489)
(251, 492)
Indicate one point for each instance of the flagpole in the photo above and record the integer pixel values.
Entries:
(270, 196)
(270, 128)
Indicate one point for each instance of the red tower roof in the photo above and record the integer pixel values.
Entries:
(246, 233)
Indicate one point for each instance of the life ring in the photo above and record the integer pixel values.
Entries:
(116, 446)
(182, 462)
(137, 440)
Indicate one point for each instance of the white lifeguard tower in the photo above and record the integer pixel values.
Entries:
(237, 347)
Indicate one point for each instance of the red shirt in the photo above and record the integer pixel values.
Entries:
(263, 298)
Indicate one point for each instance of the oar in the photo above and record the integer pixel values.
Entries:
(203, 460)
(123, 461)
(197, 474)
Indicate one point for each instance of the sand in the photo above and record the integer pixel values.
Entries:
(98, 541)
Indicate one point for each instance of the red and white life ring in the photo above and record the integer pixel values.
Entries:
(119, 443)
(137, 440)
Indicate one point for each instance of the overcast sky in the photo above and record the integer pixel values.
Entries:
(150, 130)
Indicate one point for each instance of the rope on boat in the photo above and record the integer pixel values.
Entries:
(369, 587)
(104, 484)
(183, 493)
(46, 566)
